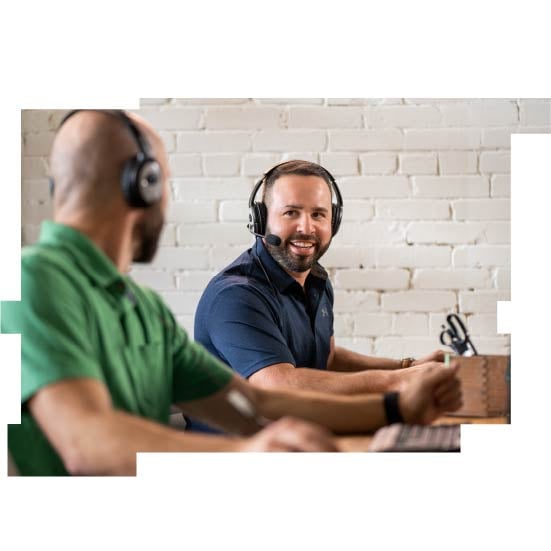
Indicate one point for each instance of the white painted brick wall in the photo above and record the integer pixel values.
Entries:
(535, 112)
(373, 233)
(451, 279)
(159, 279)
(426, 184)
(178, 258)
(457, 162)
(418, 301)
(349, 257)
(325, 117)
(418, 163)
(407, 325)
(481, 209)
(378, 163)
(365, 140)
(445, 232)
(356, 301)
(340, 164)
(498, 232)
(411, 209)
(481, 113)
(481, 256)
(439, 139)
(481, 301)
(370, 187)
(192, 189)
(372, 325)
(502, 279)
(238, 118)
(282, 140)
(495, 162)
(233, 211)
(227, 233)
(372, 279)
(359, 209)
(418, 256)
(256, 164)
(450, 186)
(213, 142)
(185, 165)
(497, 137)
(221, 165)
(197, 211)
(166, 118)
(501, 185)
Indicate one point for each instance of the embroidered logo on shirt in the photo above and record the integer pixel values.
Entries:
(324, 312)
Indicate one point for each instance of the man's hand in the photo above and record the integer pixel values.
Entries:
(434, 391)
(436, 356)
(290, 435)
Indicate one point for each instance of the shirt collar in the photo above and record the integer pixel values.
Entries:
(88, 256)
(279, 277)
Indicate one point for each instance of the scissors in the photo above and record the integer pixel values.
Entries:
(458, 341)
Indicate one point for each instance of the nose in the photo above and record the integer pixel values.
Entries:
(305, 224)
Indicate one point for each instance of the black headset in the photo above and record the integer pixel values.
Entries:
(258, 213)
(141, 181)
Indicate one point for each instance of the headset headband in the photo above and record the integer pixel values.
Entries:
(258, 212)
(141, 180)
(330, 177)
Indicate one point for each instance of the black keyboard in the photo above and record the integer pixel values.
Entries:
(417, 438)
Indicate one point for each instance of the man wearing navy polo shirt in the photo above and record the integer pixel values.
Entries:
(269, 314)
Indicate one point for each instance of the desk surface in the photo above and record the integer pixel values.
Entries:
(360, 443)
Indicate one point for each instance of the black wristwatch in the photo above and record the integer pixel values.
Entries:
(392, 408)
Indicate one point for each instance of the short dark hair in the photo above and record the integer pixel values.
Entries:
(302, 168)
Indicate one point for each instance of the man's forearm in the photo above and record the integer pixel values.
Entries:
(341, 414)
(107, 443)
(285, 376)
(348, 361)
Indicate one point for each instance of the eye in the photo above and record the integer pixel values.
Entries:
(290, 212)
(318, 215)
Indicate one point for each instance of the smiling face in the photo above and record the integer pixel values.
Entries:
(299, 212)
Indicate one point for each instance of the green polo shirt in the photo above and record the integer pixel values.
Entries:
(80, 317)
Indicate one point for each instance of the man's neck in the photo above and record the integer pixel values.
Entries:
(299, 277)
(115, 242)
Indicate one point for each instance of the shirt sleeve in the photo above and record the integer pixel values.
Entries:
(196, 373)
(244, 331)
(51, 318)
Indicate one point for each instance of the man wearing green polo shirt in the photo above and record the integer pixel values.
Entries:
(103, 358)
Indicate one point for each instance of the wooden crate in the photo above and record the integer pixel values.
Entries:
(485, 381)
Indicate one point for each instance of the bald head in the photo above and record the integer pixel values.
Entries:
(88, 156)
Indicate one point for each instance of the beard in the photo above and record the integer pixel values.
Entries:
(292, 262)
(147, 234)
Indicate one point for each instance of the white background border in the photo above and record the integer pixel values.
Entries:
(64, 54)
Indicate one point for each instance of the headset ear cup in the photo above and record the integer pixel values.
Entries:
(149, 182)
(141, 182)
(128, 182)
(336, 216)
(260, 216)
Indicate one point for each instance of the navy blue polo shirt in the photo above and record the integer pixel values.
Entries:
(253, 314)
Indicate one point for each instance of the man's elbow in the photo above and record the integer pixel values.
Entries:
(282, 376)
(92, 452)
(79, 461)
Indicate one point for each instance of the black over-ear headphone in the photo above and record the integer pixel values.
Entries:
(258, 213)
(141, 180)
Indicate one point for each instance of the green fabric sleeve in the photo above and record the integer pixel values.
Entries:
(196, 373)
(51, 318)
